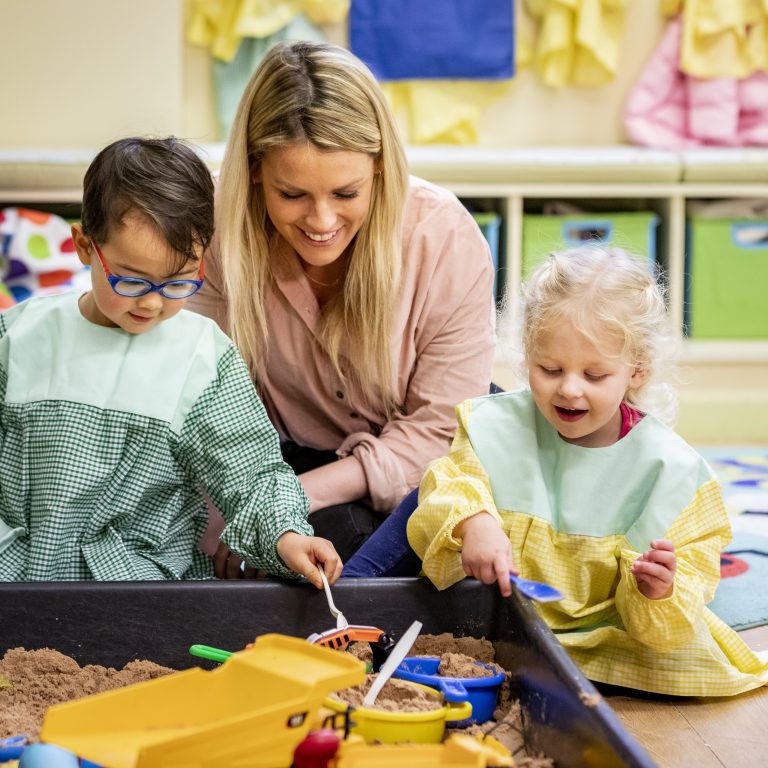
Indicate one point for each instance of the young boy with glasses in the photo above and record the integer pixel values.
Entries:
(119, 411)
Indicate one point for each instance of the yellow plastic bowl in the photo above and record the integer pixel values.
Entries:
(393, 727)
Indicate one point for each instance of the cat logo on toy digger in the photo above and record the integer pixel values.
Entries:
(297, 720)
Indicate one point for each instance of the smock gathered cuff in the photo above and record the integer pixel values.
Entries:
(258, 549)
(264, 556)
(447, 497)
(660, 624)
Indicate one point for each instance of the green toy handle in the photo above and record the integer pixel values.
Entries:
(207, 652)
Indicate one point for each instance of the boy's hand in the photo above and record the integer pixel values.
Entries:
(486, 553)
(305, 554)
(655, 570)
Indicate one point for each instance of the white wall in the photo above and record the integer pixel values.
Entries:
(85, 72)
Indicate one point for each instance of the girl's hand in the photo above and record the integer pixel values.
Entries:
(486, 553)
(655, 570)
(305, 554)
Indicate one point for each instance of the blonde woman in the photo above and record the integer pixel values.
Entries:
(360, 298)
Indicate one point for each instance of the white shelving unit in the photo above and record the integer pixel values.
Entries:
(668, 201)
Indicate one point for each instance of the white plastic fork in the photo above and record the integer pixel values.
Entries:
(341, 622)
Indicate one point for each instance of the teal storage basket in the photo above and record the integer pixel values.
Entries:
(490, 224)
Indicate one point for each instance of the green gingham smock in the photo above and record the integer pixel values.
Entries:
(108, 440)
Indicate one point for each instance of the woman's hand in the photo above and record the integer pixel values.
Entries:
(227, 565)
(486, 553)
(305, 554)
(655, 570)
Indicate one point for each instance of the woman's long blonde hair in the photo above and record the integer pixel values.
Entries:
(321, 94)
(608, 293)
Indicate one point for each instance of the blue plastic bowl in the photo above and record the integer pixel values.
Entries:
(481, 692)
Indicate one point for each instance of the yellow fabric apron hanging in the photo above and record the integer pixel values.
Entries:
(578, 40)
(443, 111)
(722, 38)
(221, 24)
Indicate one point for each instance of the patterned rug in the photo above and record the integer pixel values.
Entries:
(742, 597)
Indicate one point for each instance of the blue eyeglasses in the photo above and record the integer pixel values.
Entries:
(133, 287)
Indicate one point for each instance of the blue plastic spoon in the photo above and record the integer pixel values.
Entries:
(536, 590)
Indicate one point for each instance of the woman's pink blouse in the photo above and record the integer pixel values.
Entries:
(442, 349)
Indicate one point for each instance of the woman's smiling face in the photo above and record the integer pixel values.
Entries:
(316, 199)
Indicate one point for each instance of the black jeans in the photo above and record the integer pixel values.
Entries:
(347, 525)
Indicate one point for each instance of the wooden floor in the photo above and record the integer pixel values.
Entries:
(702, 733)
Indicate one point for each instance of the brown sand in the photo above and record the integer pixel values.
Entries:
(42, 678)
(361, 651)
(395, 696)
(436, 645)
(461, 665)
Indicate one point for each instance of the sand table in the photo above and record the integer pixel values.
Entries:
(32, 681)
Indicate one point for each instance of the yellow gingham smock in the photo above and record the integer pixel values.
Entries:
(577, 518)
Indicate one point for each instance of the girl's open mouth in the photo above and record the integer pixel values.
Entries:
(569, 414)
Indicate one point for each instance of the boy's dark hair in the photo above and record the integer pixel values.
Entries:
(162, 179)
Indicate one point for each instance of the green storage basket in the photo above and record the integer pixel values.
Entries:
(633, 231)
(727, 278)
